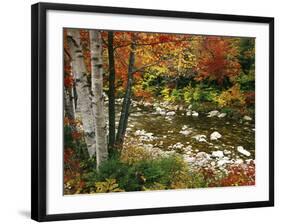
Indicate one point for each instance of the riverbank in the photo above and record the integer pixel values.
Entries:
(171, 146)
(214, 139)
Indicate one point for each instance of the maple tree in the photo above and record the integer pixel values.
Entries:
(218, 59)
(174, 58)
(180, 69)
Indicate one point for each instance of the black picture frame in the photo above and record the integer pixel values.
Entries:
(39, 108)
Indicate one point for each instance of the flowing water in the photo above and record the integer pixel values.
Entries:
(166, 131)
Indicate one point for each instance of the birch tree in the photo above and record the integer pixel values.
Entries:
(84, 104)
(97, 98)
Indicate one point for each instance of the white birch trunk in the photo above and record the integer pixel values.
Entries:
(84, 102)
(98, 99)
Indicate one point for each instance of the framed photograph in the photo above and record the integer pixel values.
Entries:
(140, 111)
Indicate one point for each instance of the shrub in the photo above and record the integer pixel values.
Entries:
(209, 94)
(171, 172)
(141, 93)
(176, 95)
(239, 176)
(166, 94)
(230, 97)
(131, 154)
(109, 185)
(234, 175)
(247, 81)
(153, 81)
(71, 173)
(199, 93)
(74, 138)
(188, 94)
(155, 186)
(157, 174)
(148, 174)
(123, 173)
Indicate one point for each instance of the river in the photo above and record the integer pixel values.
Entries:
(179, 132)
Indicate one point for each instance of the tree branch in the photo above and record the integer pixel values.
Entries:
(152, 43)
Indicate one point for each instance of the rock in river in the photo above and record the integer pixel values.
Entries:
(203, 155)
(202, 158)
(144, 136)
(213, 113)
(188, 113)
(218, 154)
(243, 151)
(221, 115)
(215, 135)
(239, 161)
(161, 111)
(189, 159)
(227, 152)
(195, 114)
(223, 161)
(140, 132)
(200, 138)
(247, 118)
(170, 113)
(178, 145)
(185, 132)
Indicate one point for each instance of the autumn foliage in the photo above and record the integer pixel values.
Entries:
(178, 69)
(218, 60)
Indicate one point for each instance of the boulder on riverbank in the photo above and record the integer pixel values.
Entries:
(213, 113)
(144, 136)
(221, 115)
(216, 113)
(243, 151)
(247, 118)
(195, 114)
(170, 113)
(218, 154)
(200, 138)
(215, 135)
(223, 161)
(185, 132)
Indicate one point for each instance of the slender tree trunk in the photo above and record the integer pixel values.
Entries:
(69, 106)
(68, 92)
(98, 99)
(72, 98)
(127, 98)
(84, 104)
(111, 92)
